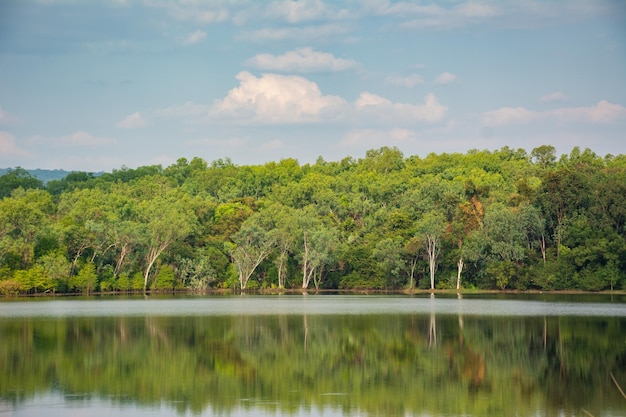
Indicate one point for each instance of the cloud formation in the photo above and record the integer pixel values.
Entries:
(195, 37)
(275, 98)
(603, 112)
(299, 11)
(81, 138)
(301, 60)
(304, 33)
(192, 10)
(373, 138)
(408, 81)
(376, 108)
(556, 96)
(445, 78)
(8, 146)
(133, 121)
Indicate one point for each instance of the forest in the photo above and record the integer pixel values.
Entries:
(483, 220)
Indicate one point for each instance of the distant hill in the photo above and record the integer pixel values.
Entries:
(45, 175)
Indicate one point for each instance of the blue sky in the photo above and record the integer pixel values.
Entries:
(97, 85)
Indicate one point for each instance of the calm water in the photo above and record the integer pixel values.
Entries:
(327, 355)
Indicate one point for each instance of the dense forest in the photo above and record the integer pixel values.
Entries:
(503, 219)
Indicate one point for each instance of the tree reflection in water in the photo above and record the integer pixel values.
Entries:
(382, 364)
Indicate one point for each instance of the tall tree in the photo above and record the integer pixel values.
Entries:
(166, 219)
(469, 217)
(317, 243)
(252, 245)
(431, 228)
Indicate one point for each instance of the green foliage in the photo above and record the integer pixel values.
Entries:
(136, 282)
(10, 287)
(510, 219)
(165, 279)
(123, 283)
(17, 178)
(86, 280)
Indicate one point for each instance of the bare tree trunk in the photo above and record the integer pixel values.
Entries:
(281, 269)
(459, 270)
(124, 250)
(306, 273)
(413, 265)
(153, 254)
(432, 258)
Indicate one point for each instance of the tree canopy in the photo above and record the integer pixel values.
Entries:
(502, 219)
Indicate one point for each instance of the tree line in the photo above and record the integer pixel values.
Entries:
(503, 219)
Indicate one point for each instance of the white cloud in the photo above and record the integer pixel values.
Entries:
(81, 138)
(510, 14)
(418, 15)
(603, 112)
(375, 108)
(195, 37)
(2, 115)
(373, 138)
(306, 33)
(133, 121)
(556, 96)
(286, 99)
(473, 9)
(368, 99)
(193, 10)
(9, 147)
(409, 81)
(301, 60)
(445, 78)
(274, 98)
(298, 11)
(509, 115)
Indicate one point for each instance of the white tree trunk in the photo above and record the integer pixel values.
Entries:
(306, 271)
(459, 270)
(432, 258)
(124, 250)
(153, 255)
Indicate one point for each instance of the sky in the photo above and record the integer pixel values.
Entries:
(100, 85)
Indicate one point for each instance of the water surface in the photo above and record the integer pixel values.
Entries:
(296, 355)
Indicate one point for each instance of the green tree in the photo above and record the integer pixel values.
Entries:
(23, 217)
(544, 156)
(86, 279)
(388, 253)
(165, 279)
(431, 227)
(166, 219)
(251, 246)
(316, 244)
(17, 178)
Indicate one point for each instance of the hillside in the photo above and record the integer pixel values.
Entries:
(45, 175)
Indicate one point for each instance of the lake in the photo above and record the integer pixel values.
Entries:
(314, 355)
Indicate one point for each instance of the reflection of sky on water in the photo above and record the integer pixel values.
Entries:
(54, 404)
(305, 304)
